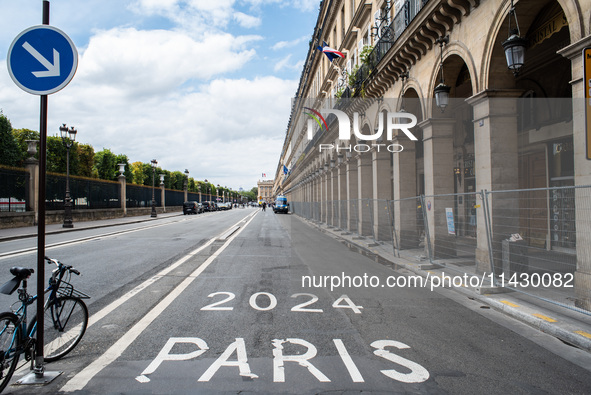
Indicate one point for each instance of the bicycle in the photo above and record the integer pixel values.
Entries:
(65, 319)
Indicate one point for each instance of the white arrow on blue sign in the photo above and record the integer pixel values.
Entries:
(42, 60)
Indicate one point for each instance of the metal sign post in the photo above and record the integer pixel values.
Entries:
(587, 78)
(41, 61)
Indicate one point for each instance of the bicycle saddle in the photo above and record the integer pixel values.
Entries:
(20, 274)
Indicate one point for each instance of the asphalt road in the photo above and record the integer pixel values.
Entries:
(183, 307)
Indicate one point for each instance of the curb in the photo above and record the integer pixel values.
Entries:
(60, 231)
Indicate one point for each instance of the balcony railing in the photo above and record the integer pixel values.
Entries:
(388, 36)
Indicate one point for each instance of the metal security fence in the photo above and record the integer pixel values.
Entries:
(13, 189)
(86, 193)
(528, 240)
(141, 196)
(194, 197)
(533, 239)
(173, 197)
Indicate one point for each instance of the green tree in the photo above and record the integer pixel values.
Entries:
(57, 155)
(137, 170)
(177, 180)
(85, 154)
(10, 153)
(105, 164)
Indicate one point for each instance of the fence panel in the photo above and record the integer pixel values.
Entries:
(173, 197)
(141, 196)
(86, 193)
(533, 234)
(13, 189)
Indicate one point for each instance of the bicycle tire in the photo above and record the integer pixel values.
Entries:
(9, 353)
(65, 322)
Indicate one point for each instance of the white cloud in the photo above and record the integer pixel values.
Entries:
(247, 21)
(302, 5)
(156, 61)
(288, 44)
(192, 15)
(283, 63)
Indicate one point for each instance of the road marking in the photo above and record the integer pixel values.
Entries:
(80, 380)
(583, 333)
(509, 303)
(348, 361)
(545, 318)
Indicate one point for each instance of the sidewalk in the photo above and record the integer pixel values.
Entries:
(572, 327)
(31, 231)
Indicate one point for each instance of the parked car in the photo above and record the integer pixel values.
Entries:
(281, 205)
(208, 206)
(192, 207)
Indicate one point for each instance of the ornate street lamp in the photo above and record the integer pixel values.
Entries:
(515, 45)
(153, 163)
(68, 137)
(187, 179)
(442, 91)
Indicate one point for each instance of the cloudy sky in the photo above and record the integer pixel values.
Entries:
(203, 85)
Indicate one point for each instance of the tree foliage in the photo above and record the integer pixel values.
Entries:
(105, 164)
(9, 149)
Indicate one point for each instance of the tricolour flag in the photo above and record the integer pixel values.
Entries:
(264, 175)
(330, 53)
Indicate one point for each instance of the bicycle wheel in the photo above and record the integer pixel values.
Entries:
(10, 337)
(64, 325)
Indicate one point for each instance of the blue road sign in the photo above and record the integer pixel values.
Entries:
(42, 60)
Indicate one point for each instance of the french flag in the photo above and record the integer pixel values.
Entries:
(329, 52)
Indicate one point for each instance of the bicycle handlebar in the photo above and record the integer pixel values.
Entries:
(58, 264)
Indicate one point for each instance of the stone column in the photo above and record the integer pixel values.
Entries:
(496, 166)
(364, 192)
(334, 192)
(439, 179)
(352, 193)
(32, 166)
(405, 191)
(342, 193)
(382, 192)
(582, 173)
(325, 198)
(123, 193)
(162, 196)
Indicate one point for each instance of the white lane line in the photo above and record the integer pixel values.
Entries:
(80, 380)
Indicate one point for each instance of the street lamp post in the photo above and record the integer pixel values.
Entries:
(153, 162)
(68, 137)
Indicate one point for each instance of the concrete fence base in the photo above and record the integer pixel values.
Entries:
(22, 219)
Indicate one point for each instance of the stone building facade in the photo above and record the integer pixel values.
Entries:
(500, 131)
(265, 188)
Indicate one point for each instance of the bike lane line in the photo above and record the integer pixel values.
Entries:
(79, 381)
